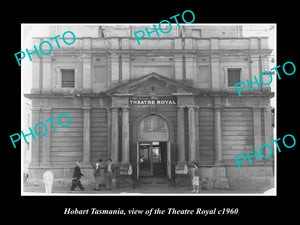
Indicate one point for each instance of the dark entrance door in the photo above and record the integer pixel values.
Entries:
(159, 158)
(153, 159)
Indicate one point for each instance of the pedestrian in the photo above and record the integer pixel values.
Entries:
(97, 175)
(132, 173)
(196, 179)
(109, 174)
(76, 177)
(102, 174)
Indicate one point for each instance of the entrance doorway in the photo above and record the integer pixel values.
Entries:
(153, 148)
(152, 158)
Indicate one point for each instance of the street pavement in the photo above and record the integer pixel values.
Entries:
(142, 190)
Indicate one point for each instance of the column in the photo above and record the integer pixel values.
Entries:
(114, 134)
(35, 144)
(46, 74)
(108, 110)
(257, 127)
(87, 72)
(197, 131)
(192, 134)
(218, 136)
(86, 136)
(125, 135)
(46, 140)
(180, 134)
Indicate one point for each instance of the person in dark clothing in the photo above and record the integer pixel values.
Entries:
(76, 177)
(97, 174)
(132, 173)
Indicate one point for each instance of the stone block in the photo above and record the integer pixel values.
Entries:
(250, 183)
(214, 44)
(114, 43)
(125, 43)
(250, 171)
(86, 43)
(188, 43)
(221, 183)
(206, 184)
(250, 178)
(178, 43)
(213, 178)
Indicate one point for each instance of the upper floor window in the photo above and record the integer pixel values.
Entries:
(67, 78)
(234, 76)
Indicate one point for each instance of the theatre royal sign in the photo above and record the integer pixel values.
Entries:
(152, 101)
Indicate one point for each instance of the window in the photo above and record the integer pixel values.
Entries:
(147, 124)
(234, 76)
(159, 124)
(67, 78)
(154, 123)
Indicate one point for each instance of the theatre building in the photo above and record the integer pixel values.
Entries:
(159, 106)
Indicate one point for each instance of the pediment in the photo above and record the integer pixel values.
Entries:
(152, 84)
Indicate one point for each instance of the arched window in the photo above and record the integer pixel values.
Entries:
(154, 123)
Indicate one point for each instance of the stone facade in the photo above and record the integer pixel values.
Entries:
(210, 124)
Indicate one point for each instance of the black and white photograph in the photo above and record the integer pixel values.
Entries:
(153, 114)
(171, 108)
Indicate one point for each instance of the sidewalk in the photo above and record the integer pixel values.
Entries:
(144, 190)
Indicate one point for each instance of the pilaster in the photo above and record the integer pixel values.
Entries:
(125, 67)
(87, 73)
(178, 67)
(180, 134)
(46, 74)
(255, 70)
(125, 135)
(86, 132)
(36, 74)
(35, 143)
(215, 72)
(190, 66)
(46, 140)
(115, 68)
(268, 130)
(192, 134)
(218, 135)
(114, 133)
(257, 131)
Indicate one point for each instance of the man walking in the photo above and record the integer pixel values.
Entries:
(76, 177)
